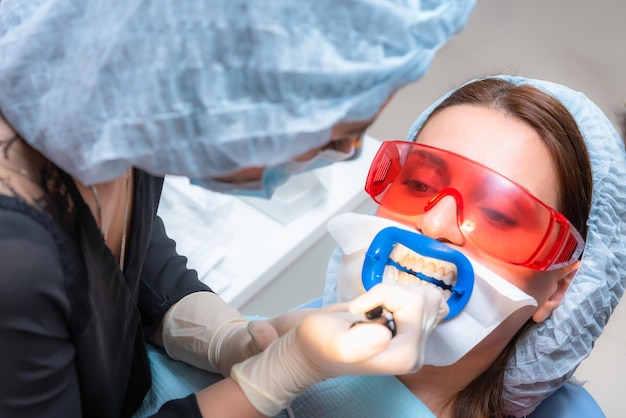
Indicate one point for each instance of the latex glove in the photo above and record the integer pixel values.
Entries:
(284, 322)
(325, 345)
(204, 331)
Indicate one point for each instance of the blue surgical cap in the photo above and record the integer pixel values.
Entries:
(548, 355)
(204, 88)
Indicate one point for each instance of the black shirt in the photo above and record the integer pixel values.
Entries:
(72, 326)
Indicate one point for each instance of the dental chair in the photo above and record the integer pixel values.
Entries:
(570, 401)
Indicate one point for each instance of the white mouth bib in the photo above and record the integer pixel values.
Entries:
(491, 299)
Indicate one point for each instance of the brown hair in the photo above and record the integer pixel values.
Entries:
(483, 397)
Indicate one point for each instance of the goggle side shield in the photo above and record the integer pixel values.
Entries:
(496, 215)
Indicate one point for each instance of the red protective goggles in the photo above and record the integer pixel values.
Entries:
(494, 214)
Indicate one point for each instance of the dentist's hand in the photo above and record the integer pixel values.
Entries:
(265, 331)
(202, 330)
(417, 309)
(326, 345)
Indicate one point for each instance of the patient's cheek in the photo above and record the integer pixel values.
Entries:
(539, 285)
(349, 284)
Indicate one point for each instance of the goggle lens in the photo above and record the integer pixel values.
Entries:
(495, 214)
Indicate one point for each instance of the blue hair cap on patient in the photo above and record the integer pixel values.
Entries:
(204, 88)
(547, 356)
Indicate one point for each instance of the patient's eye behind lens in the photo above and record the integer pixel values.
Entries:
(423, 178)
(498, 219)
(419, 188)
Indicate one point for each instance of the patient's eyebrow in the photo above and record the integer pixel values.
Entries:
(429, 157)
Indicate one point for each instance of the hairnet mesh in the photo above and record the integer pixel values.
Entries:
(550, 353)
(203, 88)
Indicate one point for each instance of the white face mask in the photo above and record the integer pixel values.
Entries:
(493, 299)
(274, 176)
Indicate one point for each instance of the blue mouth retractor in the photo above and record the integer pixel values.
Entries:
(377, 258)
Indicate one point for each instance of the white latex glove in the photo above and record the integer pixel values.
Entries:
(326, 345)
(204, 331)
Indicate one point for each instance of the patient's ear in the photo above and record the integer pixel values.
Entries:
(545, 309)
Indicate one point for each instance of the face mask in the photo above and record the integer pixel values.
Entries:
(492, 300)
(274, 176)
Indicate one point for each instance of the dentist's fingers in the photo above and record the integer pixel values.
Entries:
(416, 310)
(283, 323)
(332, 339)
(262, 333)
(404, 301)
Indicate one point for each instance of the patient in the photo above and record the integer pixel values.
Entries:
(503, 363)
(500, 173)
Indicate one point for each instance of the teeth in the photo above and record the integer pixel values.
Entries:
(437, 269)
(429, 269)
(448, 278)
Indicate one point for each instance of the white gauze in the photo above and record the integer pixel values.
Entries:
(493, 298)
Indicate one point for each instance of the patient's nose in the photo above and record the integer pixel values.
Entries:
(440, 222)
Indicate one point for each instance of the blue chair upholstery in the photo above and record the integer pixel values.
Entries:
(570, 401)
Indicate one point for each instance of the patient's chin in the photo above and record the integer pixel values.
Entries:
(349, 281)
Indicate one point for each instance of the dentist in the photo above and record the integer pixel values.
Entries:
(99, 101)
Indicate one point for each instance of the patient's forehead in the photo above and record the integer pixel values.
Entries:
(499, 141)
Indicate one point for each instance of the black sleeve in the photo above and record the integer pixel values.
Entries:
(165, 278)
(39, 378)
(185, 407)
